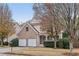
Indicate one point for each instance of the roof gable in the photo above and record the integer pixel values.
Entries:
(29, 26)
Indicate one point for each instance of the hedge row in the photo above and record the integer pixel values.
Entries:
(62, 43)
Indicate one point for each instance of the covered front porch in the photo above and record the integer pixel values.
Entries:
(46, 37)
(43, 38)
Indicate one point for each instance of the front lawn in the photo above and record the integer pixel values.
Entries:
(44, 52)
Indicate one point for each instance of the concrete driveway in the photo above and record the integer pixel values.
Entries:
(4, 50)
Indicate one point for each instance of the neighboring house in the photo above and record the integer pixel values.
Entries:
(31, 34)
(14, 35)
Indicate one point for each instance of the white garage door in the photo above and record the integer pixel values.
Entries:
(22, 42)
(32, 42)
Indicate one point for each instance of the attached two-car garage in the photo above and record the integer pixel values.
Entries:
(28, 36)
(27, 42)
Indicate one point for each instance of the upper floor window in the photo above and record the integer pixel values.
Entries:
(27, 29)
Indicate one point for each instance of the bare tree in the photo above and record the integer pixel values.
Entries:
(69, 14)
(49, 19)
(64, 14)
(6, 23)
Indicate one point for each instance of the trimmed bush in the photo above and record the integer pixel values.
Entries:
(14, 42)
(62, 43)
(49, 44)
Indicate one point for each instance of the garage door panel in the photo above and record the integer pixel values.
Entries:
(32, 42)
(22, 42)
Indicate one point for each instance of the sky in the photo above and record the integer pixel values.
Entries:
(21, 12)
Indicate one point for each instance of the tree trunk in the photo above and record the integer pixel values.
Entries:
(55, 44)
(71, 48)
(7, 41)
(1, 42)
(55, 40)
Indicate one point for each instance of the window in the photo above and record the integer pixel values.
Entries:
(26, 28)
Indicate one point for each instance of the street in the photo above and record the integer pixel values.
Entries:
(4, 50)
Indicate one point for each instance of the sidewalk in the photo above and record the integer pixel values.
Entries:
(4, 50)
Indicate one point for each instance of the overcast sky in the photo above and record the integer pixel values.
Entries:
(21, 12)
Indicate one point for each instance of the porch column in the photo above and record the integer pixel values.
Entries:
(60, 35)
(46, 37)
(37, 41)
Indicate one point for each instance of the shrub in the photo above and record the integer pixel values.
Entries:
(6, 43)
(49, 44)
(64, 43)
(60, 43)
(0, 42)
(65, 35)
(14, 42)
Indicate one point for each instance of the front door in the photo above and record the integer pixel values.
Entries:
(42, 39)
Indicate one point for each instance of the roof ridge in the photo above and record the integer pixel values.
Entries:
(34, 27)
